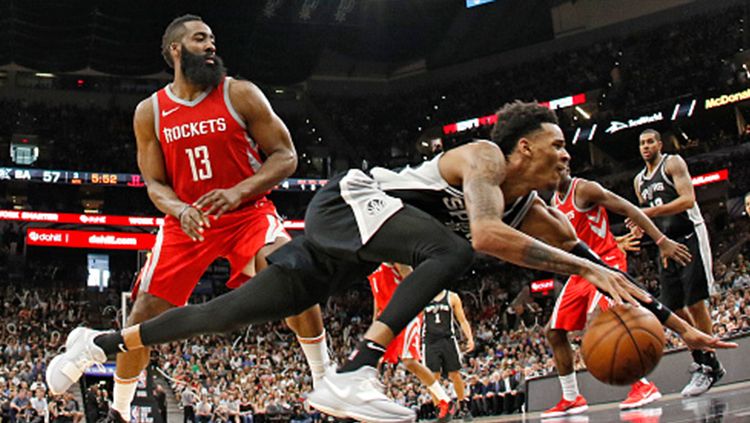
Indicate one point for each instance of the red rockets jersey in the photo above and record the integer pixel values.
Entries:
(383, 283)
(591, 225)
(205, 142)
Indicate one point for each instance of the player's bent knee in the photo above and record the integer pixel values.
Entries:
(457, 257)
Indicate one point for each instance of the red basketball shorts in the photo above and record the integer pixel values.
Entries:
(408, 343)
(176, 262)
(579, 298)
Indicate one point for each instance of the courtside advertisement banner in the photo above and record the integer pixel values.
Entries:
(103, 219)
(81, 219)
(43, 237)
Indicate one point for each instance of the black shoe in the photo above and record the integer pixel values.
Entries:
(114, 416)
(464, 413)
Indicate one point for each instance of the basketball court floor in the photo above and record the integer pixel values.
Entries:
(723, 404)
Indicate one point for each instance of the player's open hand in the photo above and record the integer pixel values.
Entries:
(193, 222)
(634, 229)
(629, 242)
(218, 202)
(698, 340)
(619, 288)
(671, 250)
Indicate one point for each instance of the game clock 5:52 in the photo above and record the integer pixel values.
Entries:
(104, 178)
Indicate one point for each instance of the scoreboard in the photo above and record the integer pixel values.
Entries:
(132, 180)
(70, 177)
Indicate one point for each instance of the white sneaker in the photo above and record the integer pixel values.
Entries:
(700, 381)
(80, 353)
(358, 395)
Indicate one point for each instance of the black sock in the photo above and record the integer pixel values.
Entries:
(710, 359)
(367, 353)
(699, 356)
(111, 343)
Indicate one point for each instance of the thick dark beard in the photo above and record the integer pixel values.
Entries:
(200, 73)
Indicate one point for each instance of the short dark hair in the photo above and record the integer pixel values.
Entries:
(518, 119)
(650, 131)
(174, 32)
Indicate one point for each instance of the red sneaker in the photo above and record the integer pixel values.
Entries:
(564, 408)
(446, 410)
(641, 394)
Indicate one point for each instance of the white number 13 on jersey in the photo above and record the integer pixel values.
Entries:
(200, 164)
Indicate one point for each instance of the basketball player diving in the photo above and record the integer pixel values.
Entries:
(477, 197)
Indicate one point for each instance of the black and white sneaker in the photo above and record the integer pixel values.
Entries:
(358, 395)
(702, 379)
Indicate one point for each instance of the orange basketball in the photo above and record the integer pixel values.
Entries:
(623, 344)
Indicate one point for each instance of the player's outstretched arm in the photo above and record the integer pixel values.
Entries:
(592, 193)
(552, 226)
(694, 338)
(151, 165)
(273, 138)
(482, 170)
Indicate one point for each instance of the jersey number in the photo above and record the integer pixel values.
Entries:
(437, 318)
(199, 163)
(656, 202)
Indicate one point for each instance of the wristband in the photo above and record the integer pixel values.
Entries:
(659, 310)
(660, 240)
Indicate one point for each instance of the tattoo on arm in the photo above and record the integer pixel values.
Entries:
(541, 256)
(484, 199)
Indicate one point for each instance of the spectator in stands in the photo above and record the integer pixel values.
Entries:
(40, 406)
(20, 407)
(70, 411)
(204, 409)
(187, 401)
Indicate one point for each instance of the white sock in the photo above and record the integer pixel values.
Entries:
(123, 395)
(316, 353)
(644, 381)
(438, 391)
(569, 385)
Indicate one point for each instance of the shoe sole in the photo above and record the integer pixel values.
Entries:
(73, 337)
(647, 400)
(354, 415)
(568, 412)
(50, 366)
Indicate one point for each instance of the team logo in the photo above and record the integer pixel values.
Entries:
(375, 206)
